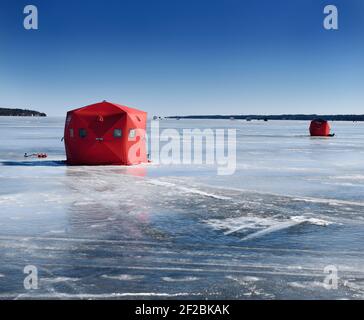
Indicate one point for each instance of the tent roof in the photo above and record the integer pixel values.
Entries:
(110, 104)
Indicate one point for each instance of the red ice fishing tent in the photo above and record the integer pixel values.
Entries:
(320, 128)
(105, 133)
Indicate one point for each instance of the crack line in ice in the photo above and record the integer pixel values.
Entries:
(291, 197)
(274, 228)
(187, 190)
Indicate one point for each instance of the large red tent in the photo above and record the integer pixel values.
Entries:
(105, 133)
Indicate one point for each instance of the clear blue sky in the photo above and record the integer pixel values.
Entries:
(184, 56)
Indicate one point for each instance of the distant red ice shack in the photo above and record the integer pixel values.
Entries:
(320, 128)
(105, 133)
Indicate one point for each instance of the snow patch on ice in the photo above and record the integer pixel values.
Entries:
(244, 279)
(123, 277)
(306, 284)
(357, 286)
(350, 177)
(260, 226)
(55, 231)
(59, 279)
(315, 221)
(98, 225)
(332, 202)
(249, 285)
(182, 279)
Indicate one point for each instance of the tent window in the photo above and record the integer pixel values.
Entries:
(117, 133)
(132, 133)
(71, 133)
(82, 133)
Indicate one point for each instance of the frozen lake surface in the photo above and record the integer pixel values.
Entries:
(294, 206)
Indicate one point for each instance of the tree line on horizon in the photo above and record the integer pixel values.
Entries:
(21, 112)
(337, 117)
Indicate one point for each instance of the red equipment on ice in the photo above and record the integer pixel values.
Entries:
(35, 155)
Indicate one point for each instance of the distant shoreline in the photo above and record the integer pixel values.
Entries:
(8, 112)
(338, 117)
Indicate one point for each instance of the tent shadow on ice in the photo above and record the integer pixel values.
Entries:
(105, 133)
(35, 163)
